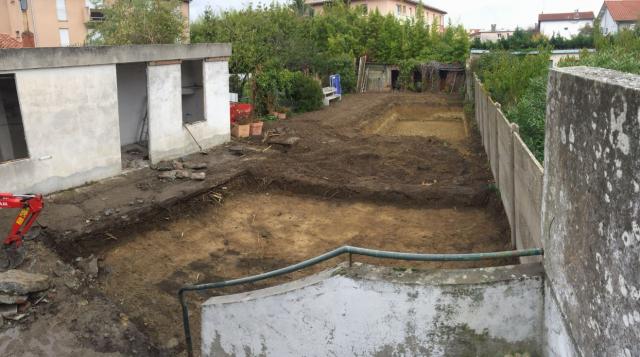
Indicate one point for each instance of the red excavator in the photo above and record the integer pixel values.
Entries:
(12, 252)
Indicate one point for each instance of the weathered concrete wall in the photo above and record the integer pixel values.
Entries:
(517, 172)
(132, 100)
(591, 204)
(168, 137)
(557, 341)
(70, 118)
(373, 311)
(216, 99)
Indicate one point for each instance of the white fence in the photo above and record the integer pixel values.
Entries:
(517, 173)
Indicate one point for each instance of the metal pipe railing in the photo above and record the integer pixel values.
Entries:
(332, 254)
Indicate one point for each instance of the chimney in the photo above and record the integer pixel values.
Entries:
(28, 40)
(493, 27)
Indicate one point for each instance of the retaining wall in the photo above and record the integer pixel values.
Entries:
(380, 311)
(517, 173)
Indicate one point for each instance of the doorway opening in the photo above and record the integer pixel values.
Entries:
(134, 116)
(192, 91)
(13, 144)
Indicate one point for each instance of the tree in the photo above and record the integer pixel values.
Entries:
(301, 8)
(129, 22)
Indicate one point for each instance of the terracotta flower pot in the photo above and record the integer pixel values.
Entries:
(256, 128)
(240, 131)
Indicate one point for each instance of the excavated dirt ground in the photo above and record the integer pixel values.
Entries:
(400, 172)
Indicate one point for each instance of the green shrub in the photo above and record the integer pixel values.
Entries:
(529, 113)
(519, 84)
(271, 86)
(506, 76)
(305, 93)
(343, 64)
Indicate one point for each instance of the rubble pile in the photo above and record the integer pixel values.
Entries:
(176, 169)
(20, 290)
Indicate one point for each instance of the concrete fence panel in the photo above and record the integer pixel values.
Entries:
(494, 155)
(505, 168)
(516, 171)
(486, 102)
(476, 104)
(527, 176)
(479, 108)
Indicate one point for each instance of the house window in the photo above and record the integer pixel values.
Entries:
(404, 10)
(61, 10)
(13, 145)
(64, 37)
(96, 15)
(399, 9)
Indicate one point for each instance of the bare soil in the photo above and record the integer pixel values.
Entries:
(398, 172)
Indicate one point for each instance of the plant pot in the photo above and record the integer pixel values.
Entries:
(241, 131)
(282, 116)
(256, 128)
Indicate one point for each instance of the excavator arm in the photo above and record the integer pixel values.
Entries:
(30, 207)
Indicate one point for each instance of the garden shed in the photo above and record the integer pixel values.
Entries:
(442, 77)
(69, 115)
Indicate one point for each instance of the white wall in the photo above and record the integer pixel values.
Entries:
(70, 118)
(609, 25)
(566, 29)
(132, 100)
(373, 311)
(168, 138)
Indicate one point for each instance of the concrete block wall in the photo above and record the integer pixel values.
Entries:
(376, 311)
(517, 173)
(591, 207)
(70, 117)
(168, 137)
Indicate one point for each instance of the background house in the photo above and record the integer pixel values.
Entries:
(53, 23)
(617, 15)
(403, 9)
(492, 35)
(566, 24)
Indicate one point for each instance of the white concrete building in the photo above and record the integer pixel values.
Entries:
(617, 15)
(566, 25)
(67, 115)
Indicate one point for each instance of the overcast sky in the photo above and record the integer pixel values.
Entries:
(471, 13)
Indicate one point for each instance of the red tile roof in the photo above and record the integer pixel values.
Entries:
(624, 10)
(567, 16)
(6, 41)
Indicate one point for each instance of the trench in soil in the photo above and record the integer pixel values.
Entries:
(444, 122)
(255, 228)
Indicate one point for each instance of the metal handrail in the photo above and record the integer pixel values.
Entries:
(332, 254)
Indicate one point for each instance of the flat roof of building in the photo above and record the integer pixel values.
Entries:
(51, 57)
